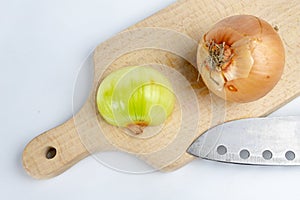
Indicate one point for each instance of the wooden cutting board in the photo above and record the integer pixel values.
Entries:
(56, 150)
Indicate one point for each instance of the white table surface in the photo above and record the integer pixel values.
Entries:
(42, 44)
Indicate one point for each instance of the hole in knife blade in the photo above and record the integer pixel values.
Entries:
(267, 155)
(290, 155)
(244, 154)
(221, 150)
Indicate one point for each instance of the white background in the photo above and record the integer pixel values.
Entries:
(42, 44)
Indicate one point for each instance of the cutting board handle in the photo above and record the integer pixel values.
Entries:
(54, 151)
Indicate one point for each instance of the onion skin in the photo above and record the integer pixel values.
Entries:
(264, 47)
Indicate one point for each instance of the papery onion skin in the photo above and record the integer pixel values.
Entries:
(135, 97)
(265, 48)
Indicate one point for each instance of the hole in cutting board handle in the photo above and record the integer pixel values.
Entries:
(50, 153)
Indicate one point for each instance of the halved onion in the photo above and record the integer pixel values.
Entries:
(135, 97)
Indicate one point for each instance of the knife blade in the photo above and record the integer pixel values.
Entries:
(253, 141)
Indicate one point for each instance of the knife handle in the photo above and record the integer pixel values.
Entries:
(54, 151)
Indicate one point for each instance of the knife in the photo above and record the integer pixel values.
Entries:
(253, 141)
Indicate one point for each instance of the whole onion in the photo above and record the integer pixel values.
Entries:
(241, 58)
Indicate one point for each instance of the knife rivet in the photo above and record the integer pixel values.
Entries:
(267, 155)
(290, 155)
(221, 150)
(244, 154)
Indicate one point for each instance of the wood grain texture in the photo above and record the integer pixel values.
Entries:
(68, 153)
(191, 18)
